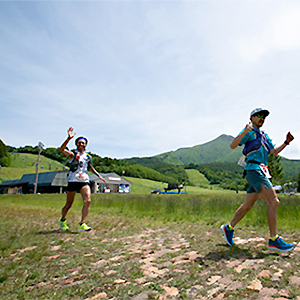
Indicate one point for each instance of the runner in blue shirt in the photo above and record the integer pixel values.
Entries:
(257, 148)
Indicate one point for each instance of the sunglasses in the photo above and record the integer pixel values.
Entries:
(260, 116)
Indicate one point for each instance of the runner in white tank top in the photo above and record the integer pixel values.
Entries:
(78, 181)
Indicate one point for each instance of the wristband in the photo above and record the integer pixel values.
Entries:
(286, 142)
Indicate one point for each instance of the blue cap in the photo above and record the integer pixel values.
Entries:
(81, 138)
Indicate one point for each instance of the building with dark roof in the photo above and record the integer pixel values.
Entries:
(57, 181)
(48, 182)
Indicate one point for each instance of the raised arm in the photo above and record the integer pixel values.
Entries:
(236, 141)
(289, 138)
(62, 148)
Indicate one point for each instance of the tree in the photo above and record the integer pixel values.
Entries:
(5, 159)
(275, 167)
(298, 183)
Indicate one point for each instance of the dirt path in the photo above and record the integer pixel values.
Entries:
(154, 262)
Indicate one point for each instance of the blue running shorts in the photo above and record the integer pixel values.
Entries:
(255, 179)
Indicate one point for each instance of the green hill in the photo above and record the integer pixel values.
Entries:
(27, 160)
(25, 163)
(196, 178)
(291, 167)
(214, 153)
(217, 150)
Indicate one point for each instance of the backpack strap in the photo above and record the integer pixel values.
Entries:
(90, 161)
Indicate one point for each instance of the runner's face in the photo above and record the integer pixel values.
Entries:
(258, 121)
(81, 145)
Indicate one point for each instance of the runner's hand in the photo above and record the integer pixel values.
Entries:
(289, 137)
(248, 127)
(71, 134)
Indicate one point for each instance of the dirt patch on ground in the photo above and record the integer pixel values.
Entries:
(125, 259)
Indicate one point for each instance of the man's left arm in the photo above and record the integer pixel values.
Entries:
(289, 138)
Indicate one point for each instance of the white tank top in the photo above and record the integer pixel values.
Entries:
(81, 174)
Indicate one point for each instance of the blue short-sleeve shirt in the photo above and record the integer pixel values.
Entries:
(260, 155)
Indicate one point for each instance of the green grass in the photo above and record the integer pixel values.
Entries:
(145, 186)
(212, 208)
(27, 160)
(133, 234)
(25, 163)
(197, 178)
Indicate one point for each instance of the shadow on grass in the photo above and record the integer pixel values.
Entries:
(56, 231)
(234, 252)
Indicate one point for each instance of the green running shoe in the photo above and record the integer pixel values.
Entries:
(63, 225)
(84, 227)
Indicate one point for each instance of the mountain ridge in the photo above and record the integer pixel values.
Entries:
(216, 150)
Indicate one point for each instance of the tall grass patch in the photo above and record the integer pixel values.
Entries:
(211, 208)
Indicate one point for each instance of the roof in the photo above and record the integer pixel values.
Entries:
(56, 178)
(111, 178)
(44, 179)
(16, 182)
(60, 178)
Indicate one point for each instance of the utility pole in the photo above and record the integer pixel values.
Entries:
(185, 181)
(41, 147)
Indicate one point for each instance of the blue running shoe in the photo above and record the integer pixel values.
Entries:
(228, 234)
(280, 245)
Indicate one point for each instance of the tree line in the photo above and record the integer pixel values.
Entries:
(226, 175)
(101, 164)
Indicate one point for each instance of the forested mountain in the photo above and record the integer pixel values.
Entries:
(291, 168)
(217, 150)
(215, 155)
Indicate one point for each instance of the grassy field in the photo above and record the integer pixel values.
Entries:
(144, 186)
(197, 178)
(145, 247)
(25, 163)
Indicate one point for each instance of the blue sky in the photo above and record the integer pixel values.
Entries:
(139, 78)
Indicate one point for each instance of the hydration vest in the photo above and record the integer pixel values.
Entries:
(257, 143)
(74, 163)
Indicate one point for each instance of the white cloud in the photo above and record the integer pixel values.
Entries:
(139, 78)
(285, 28)
(280, 30)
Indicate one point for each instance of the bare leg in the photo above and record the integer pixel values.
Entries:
(86, 197)
(249, 201)
(69, 203)
(270, 197)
